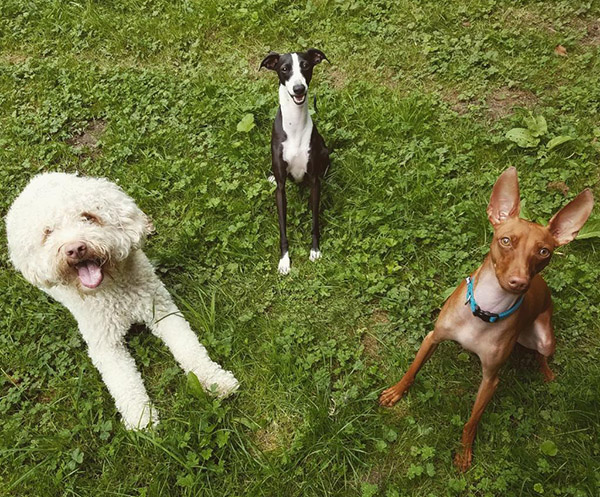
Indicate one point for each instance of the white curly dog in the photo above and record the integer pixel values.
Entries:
(79, 240)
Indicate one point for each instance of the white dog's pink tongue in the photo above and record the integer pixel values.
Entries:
(90, 274)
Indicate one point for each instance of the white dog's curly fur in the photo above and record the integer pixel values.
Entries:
(79, 240)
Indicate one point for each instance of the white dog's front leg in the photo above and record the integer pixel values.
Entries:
(175, 331)
(124, 382)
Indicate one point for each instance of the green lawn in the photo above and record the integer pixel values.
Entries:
(416, 104)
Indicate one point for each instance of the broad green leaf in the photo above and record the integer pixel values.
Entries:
(539, 488)
(591, 229)
(77, 455)
(246, 124)
(194, 386)
(559, 140)
(222, 438)
(390, 435)
(368, 489)
(380, 445)
(522, 137)
(549, 448)
(537, 125)
(457, 485)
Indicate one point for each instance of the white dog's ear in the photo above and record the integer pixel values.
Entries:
(121, 212)
(150, 230)
(140, 226)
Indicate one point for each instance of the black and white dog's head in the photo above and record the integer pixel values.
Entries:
(294, 70)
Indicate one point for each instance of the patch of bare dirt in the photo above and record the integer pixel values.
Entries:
(369, 341)
(89, 137)
(46, 397)
(380, 316)
(559, 186)
(502, 101)
(375, 476)
(337, 78)
(592, 38)
(370, 345)
(14, 58)
(522, 16)
(453, 98)
(271, 437)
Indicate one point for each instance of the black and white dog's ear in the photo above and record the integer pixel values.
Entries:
(270, 61)
(315, 56)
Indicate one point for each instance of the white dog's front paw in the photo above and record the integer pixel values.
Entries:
(226, 384)
(284, 264)
(314, 255)
(140, 418)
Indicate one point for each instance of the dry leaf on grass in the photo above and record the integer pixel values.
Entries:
(560, 50)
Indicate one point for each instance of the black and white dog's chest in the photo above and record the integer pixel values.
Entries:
(295, 148)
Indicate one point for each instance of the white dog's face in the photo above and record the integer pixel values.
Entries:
(68, 230)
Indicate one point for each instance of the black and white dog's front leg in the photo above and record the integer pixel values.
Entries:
(284, 262)
(315, 198)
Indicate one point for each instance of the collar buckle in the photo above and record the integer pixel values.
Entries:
(488, 317)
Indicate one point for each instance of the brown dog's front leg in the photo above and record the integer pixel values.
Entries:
(544, 368)
(393, 394)
(486, 390)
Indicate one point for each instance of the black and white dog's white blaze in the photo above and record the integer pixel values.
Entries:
(297, 148)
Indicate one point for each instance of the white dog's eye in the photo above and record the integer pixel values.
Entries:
(46, 233)
(89, 218)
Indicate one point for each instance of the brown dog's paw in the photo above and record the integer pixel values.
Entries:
(549, 376)
(462, 460)
(390, 396)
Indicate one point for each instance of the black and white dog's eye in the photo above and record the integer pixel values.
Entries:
(304, 64)
(284, 69)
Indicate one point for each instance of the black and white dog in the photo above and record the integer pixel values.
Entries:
(297, 148)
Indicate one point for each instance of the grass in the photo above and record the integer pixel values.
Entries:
(416, 105)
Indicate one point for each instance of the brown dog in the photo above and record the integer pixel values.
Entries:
(517, 302)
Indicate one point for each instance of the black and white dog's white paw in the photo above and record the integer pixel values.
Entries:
(284, 264)
(314, 255)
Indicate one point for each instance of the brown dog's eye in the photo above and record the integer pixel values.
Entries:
(505, 241)
(544, 252)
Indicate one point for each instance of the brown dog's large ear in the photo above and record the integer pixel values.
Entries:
(567, 222)
(270, 61)
(315, 56)
(505, 202)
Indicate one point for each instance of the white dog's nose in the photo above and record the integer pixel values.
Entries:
(75, 250)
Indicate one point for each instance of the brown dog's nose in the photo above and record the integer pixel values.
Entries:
(75, 250)
(518, 283)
